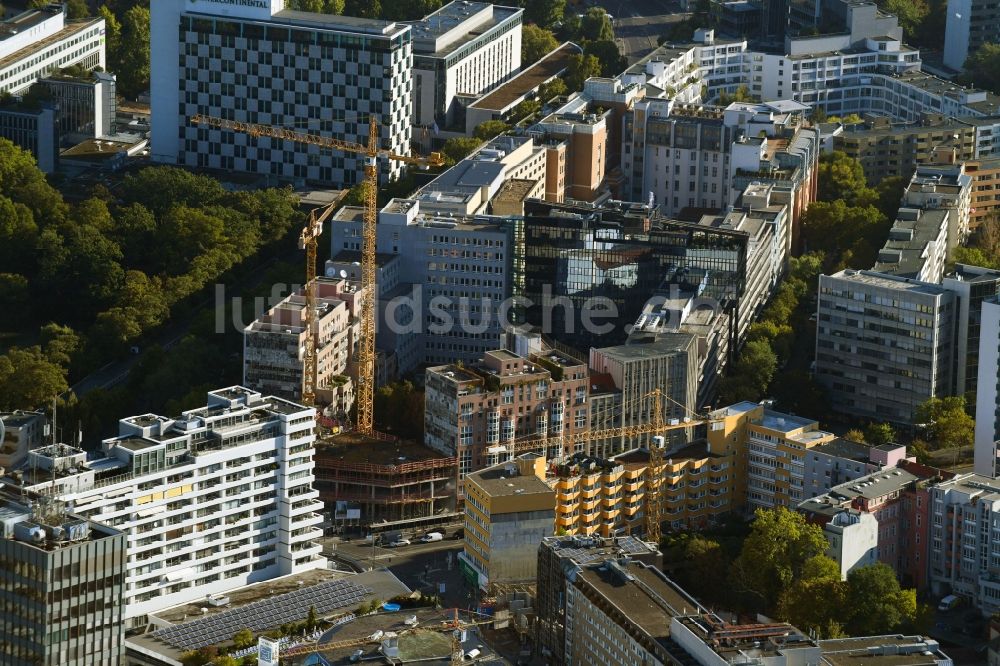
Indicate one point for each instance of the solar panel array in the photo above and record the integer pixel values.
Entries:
(265, 614)
(632, 546)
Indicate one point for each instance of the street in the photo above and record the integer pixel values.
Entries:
(639, 24)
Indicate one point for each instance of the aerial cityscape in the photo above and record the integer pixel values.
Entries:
(583, 332)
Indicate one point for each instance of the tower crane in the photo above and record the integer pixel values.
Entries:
(309, 241)
(372, 152)
(653, 479)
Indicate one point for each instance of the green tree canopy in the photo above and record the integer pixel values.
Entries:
(318, 6)
(815, 601)
(29, 379)
(607, 53)
(132, 67)
(243, 639)
(879, 434)
(596, 26)
(982, 68)
(842, 177)
(489, 129)
(580, 69)
(876, 605)
(911, 14)
(459, 147)
(544, 13)
(536, 42)
(775, 553)
(947, 422)
(752, 373)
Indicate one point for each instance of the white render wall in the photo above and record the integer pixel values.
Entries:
(219, 519)
(84, 45)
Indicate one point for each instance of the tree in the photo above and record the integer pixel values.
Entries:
(408, 10)
(775, 553)
(840, 177)
(363, 8)
(742, 94)
(225, 660)
(77, 9)
(489, 129)
(554, 88)
(815, 601)
(133, 63)
(311, 619)
(911, 14)
(752, 373)
(890, 194)
(544, 13)
(29, 379)
(879, 434)
(536, 43)
(243, 639)
(579, 69)
(982, 68)
(875, 602)
(947, 422)
(60, 343)
(526, 109)
(704, 558)
(855, 435)
(458, 148)
(318, 6)
(595, 26)
(607, 53)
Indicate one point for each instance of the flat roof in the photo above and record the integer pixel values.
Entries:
(908, 240)
(845, 448)
(632, 598)
(782, 422)
(514, 189)
(498, 481)
(898, 650)
(887, 281)
(983, 486)
(666, 343)
(427, 31)
(549, 67)
(71, 28)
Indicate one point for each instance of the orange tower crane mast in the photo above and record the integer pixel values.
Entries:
(309, 241)
(372, 152)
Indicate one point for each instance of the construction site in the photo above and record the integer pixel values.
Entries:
(388, 480)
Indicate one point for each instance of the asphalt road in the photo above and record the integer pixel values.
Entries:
(639, 23)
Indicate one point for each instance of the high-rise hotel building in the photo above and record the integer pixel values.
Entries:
(255, 61)
(211, 500)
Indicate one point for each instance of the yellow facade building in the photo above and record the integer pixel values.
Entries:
(509, 509)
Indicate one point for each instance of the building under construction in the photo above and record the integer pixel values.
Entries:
(382, 480)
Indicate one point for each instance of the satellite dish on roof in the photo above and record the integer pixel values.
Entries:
(343, 273)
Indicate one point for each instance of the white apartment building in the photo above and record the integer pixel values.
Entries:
(274, 345)
(964, 552)
(970, 24)
(212, 500)
(853, 538)
(988, 391)
(20, 431)
(36, 41)
(255, 61)
(462, 49)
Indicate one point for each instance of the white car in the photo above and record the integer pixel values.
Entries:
(398, 542)
(431, 537)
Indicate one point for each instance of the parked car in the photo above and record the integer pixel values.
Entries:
(459, 533)
(949, 602)
(431, 537)
(397, 543)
